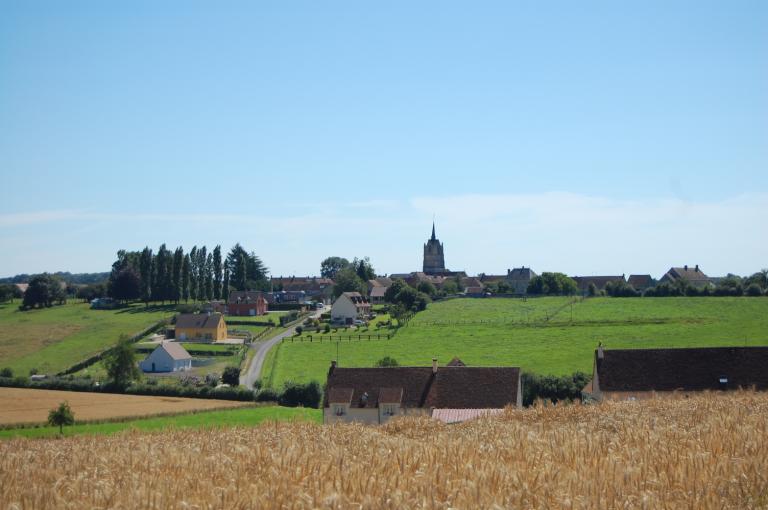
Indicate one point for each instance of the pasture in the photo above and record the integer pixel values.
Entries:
(23, 405)
(543, 335)
(219, 418)
(53, 339)
(706, 452)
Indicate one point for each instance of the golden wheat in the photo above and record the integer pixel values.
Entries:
(704, 452)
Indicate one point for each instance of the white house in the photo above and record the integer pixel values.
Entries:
(167, 357)
(350, 306)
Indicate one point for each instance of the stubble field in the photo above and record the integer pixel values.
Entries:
(21, 405)
(705, 452)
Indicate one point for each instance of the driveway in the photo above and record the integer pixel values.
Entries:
(262, 348)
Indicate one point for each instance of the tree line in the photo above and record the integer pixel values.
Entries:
(199, 275)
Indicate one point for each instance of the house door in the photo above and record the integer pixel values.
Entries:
(153, 366)
(252, 312)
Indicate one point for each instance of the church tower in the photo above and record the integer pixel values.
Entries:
(434, 260)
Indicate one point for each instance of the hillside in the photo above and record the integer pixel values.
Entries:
(544, 335)
(705, 452)
(52, 339)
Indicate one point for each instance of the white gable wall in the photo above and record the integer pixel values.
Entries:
(163, 362)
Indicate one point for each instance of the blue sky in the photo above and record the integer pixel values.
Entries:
(589, 137)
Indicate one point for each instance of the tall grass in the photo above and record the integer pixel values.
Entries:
(704, 452)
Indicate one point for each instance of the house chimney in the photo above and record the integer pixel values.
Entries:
(685, 267)
(600, 353)
(434, 365)
(333, 367)
(697, 268)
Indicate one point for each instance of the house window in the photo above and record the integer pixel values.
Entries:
(339, 410)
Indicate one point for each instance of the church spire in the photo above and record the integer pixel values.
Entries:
(433, 229)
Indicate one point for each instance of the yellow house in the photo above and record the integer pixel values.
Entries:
(201, 326)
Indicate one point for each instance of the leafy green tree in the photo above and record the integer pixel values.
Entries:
(61, 416)
(427, 288)
(6, 292)
(502, 287)
(176, 284)
(127, 285)
(225, 285)
(391, 293)
(242, 273)
(387, 361)
(193, 274)
(217, 272)
(592, 289)
(209, 277)
(6, 372)
(296, 394)
(120, 363)
(255, 272)
(760, 278)
(145, 272)
(450, 287)
(160, 291)
(92, 291)
(43, 290)
(364, 269)
(202, 273)
(332, 265)
(185, 278)
(754, 290)
(347, 280)
(231, 376)
(552, 284)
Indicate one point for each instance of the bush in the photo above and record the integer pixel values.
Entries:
(754, 290)
(387, 361)
(296, 394)
(299, 330)
(6, 372)
(553, 388)
(257, 384)
(267, 395)
(231, 376)
(327, 328)
(212, 379)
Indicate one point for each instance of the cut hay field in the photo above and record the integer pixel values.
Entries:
(706, 452)
(53, 339)
(22, 405)
(544, 335)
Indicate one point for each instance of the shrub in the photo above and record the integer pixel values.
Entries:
(754, 290)
(327, 328)
(387, 361)
(212, 379)
(299, 330)
(552, 388)
(296, 394)
(267, 395)
(6, 372)
(257, 384)
(231, 376)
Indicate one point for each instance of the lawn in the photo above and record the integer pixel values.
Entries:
(243, 417)
(536, 334)
(52, 339)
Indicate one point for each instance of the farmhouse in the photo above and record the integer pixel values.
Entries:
(201, 326)
(243, 302)
(641, 373)
(641, 282)
(519, 278)
(693, 276)
(167, 357)
(583, 282)
(374, 395)
(350, 306)
(377, 294)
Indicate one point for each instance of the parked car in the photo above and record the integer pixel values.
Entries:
(358, 322)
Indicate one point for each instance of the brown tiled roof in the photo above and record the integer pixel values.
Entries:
(340, 395)
(198, 320)
(640, 280)
(381, 281)
(390, 395)
(521, 273)
(175, 350)
(600, 281)
(379, 291)
(451, 387)
(687, 369)
(692, 274)
(492, 278)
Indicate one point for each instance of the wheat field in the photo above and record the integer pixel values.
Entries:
(698, 453)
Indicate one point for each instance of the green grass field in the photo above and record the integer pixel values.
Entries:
(245, 417)
(55, 338)
(544, 335)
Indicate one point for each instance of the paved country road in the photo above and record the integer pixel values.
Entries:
(262, 348)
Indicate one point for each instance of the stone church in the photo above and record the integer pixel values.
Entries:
(434, 259)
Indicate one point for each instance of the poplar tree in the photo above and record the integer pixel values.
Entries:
(185, 278)
(145, 273)
(193, 273)
(178, 260)
(217, 272)
(226, 283)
